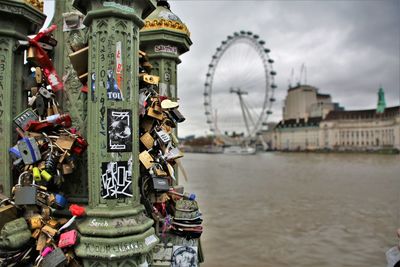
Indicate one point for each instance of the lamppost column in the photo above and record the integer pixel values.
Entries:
(17, 19)
(115, 231)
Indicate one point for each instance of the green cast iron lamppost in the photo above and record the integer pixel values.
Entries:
(18, 19)
(164, 38)
(115, 231)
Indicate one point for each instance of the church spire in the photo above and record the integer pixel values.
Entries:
(381, 101)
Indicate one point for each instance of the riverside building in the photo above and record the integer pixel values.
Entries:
(311, 121)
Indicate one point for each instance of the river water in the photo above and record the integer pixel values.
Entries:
(296, 209)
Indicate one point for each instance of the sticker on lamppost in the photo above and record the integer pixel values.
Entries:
(116, 179)
(166, 49)
(119, 134)
(118, 69)
(113, 90)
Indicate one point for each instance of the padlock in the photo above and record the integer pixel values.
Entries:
(163, 136)
(150, 79)
(22, 119)
(65, 142)
(36, 174)
(160, 184)
(158, 170)
(46, 176)
(29, 150)
(40, 106)
(45, 93)
(68, 239)
(49, 231)
(41, 242)
(36, 233)
(67, 168)
(147, 140)
(155, 111)
(25, 195)
(56, 258)
(167, 104)
(173, 154)
(146, 159)
(46, 251)
(14, 152)
(53, 223)
(46, 212)
(38, 75)
(35, 222)
(31, 55)
(60, 201)
(51, 199)
(176, 115)
(79, 146)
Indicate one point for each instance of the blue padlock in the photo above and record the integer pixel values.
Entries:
(60, 201)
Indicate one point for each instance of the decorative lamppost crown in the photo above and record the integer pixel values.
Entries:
(164, 18)
(38, 4)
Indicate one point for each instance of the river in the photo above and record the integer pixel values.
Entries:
(296, 209)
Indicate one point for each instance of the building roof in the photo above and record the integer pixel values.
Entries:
(362, 114)
(302, 86)
(323, 95)
(311, 122)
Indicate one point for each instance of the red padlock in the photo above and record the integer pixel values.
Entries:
(68, 239)
(80, 146)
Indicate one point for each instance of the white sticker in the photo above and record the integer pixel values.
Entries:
(150, 240)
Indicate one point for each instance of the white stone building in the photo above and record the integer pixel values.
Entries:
(313, 122)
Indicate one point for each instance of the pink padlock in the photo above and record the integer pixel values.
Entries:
(68, 239)
(46, 251)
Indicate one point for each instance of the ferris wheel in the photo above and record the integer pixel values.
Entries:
(239, 88)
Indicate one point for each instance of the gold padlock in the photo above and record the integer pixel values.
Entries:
(35, 222)
(52, 223)
(150, 79)
(31, 56)
(47, 229)
(41, 242)
(67, 168)
(155, 111)
(146, 159)
(38, 75)
(51, 199)
(36, 233)
(65, 142)
(147, 140)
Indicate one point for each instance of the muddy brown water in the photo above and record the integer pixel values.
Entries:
(296, 209)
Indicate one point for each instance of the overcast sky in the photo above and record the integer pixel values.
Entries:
(349, 48)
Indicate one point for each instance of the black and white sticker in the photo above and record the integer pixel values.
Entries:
(116, 179)
(119, 130)
(184, 256)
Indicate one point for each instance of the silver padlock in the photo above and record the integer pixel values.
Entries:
(29, 150)
(25, 195)
(163, 136)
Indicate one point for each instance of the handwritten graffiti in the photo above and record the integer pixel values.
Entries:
(116, 179)
(119, 137)
(166, 49)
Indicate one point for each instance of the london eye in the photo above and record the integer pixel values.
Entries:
(239, 89)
